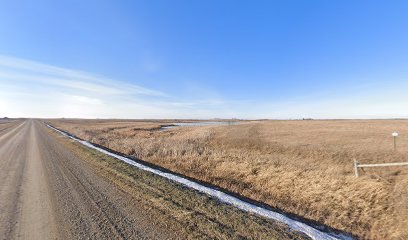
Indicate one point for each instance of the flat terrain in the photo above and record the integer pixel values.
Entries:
(302, 167)
(53, 188)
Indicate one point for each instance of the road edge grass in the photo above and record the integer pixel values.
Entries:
(191, 214)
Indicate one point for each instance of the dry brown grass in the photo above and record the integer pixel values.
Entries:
(7, 123)
(186, 214)
(302, 167)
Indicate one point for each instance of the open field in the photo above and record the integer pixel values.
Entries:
(301, 167)
(53, 188)
(7, 123)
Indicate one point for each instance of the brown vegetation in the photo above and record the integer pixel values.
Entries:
(170, 208)
(302, 167)
(6, 123)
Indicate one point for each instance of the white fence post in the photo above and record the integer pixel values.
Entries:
(356, 167)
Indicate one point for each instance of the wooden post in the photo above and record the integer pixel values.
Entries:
(356, 167)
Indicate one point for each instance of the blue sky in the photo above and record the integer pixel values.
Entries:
(204, 59)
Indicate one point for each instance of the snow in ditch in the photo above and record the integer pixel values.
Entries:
(221, 196)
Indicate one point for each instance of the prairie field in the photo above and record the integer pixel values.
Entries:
(304, 168)
(7, 123)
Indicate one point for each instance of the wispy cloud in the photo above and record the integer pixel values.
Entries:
(34, 89)
(25, 70)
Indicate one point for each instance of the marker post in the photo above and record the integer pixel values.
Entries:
(395, 135)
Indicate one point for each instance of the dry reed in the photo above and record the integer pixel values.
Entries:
(301, 167)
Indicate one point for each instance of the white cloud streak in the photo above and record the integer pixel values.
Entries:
(33, 89)
(25, 70)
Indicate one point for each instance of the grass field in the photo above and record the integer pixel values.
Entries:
(7, 123)
(301, 167)
(189, 215)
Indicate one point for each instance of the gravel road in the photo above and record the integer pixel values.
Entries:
(53, 188)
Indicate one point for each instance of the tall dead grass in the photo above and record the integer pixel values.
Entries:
(302, 167)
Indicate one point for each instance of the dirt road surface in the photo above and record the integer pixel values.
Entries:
(53, 188)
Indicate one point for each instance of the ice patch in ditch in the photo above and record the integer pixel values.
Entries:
(222, 197)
